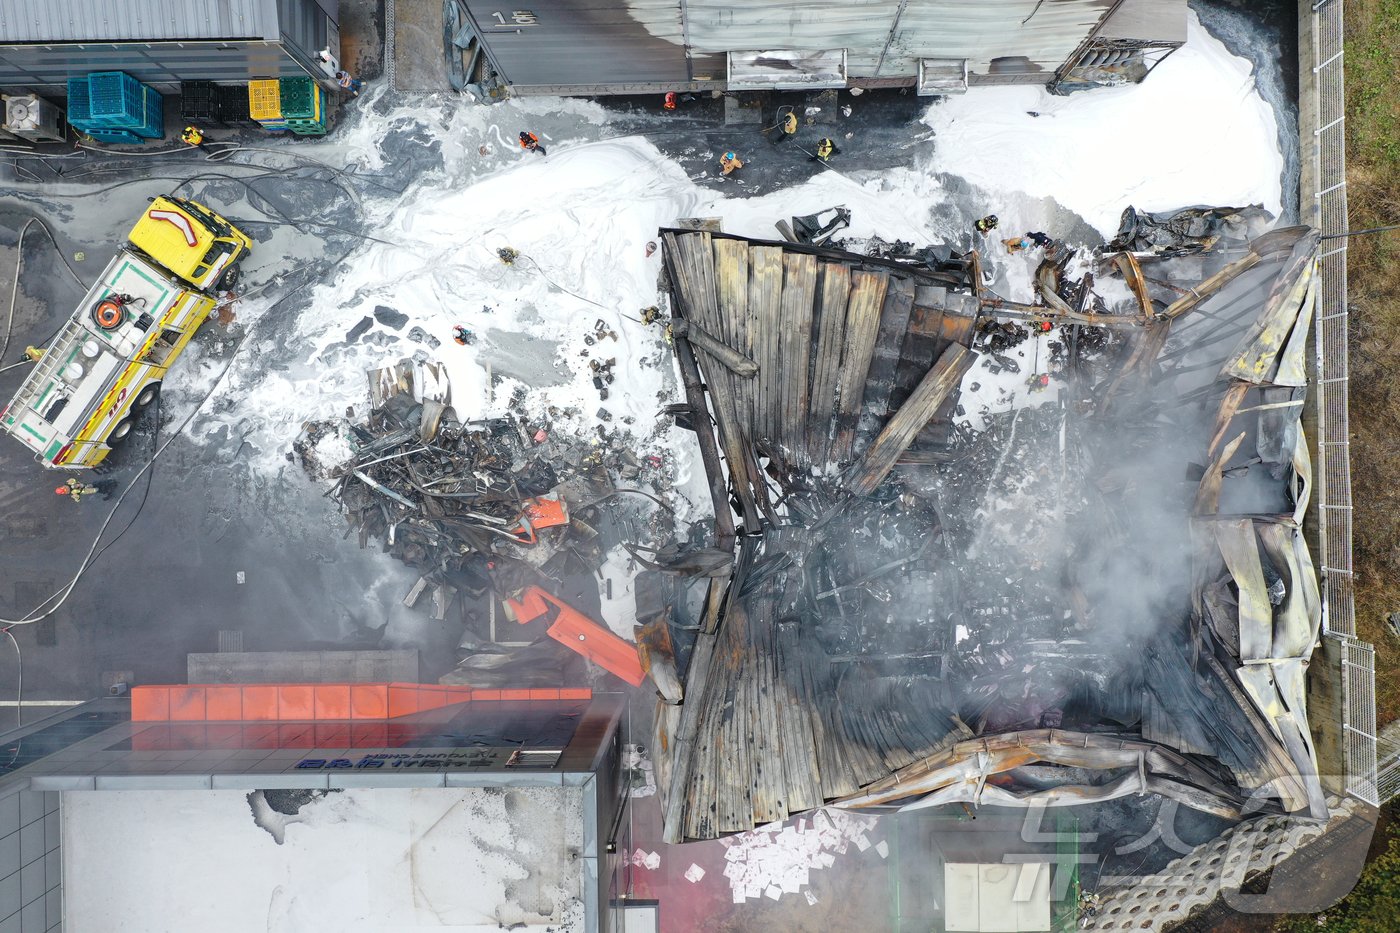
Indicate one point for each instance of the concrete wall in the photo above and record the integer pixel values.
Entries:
(31, 864)
(303, 667)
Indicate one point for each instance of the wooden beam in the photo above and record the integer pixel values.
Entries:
(1188, 302)
(731, 359)
(681, 284)
(900, 430)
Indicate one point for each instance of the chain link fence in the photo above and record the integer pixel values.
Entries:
(1325, 117)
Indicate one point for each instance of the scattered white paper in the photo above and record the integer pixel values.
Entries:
(883, 848)
(694, 873)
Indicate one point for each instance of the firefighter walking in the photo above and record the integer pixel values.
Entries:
(75, 490)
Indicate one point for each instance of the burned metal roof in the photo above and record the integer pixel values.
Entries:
(1111, 589)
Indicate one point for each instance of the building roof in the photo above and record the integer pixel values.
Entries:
(29, 21)
(886, 37)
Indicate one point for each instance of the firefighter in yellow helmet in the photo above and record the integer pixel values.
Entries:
(193, 137)
(789, 127)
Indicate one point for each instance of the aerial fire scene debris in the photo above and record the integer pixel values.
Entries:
(676, 468)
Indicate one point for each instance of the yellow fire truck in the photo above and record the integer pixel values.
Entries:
(107, 362)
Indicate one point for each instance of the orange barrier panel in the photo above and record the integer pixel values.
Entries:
(318, 702)
(578, 632)
(368, 701)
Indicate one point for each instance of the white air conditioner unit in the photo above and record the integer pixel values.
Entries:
(31, 117)
(329, 61)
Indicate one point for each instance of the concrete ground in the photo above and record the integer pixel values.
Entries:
(418, 49)
(362, 38)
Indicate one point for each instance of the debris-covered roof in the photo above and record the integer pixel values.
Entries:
(1101, 593)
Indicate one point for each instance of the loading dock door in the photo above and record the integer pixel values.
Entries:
(573, 43)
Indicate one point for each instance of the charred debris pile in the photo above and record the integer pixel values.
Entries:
(501, 517)
(996, 550)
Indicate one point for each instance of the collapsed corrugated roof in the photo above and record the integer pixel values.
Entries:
(920, 610)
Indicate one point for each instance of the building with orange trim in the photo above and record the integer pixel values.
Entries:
(195, 747)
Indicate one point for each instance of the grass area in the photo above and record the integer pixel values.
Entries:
(1373, 186)
(1374, 904)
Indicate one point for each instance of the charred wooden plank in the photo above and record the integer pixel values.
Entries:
(765, 307)
(799, 295)
(899, 432)
(769, 780)
(1229, 405)
(698, 685)
(831, 333)
(800, 762)
(835, 770)
(731, 773)
(732, 281)
(862, 326)
(861, 748)
(884, 361)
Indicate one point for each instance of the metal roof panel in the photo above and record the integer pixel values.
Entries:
(32, 21)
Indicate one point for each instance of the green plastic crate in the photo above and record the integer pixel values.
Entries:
(301, 99)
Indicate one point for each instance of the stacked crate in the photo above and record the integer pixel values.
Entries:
(303, 106)
(112, 106)
(265, 104)
(199, 103)
(231, 105)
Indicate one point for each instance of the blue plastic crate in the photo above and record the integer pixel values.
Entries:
(152, 115)
(109, 135)
(116, 99)
(79, 105)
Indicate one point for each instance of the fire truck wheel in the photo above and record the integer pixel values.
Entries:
(146, 396)
(229, 280)
(120, 433)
